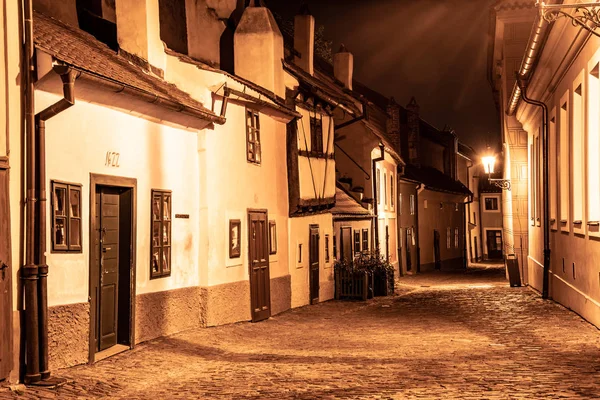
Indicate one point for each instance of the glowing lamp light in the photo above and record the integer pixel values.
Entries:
(488, 164)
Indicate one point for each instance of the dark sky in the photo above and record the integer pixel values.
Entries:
(435, 50)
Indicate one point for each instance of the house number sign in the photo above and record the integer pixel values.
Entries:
(112, 159)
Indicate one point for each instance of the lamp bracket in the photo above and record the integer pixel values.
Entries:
(503, 184)
(585, 15)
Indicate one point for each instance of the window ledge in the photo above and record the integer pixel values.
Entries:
(593, 223)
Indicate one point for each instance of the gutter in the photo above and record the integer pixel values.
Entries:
(536, 42)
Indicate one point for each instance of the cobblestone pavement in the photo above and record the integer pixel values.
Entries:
(461, 335)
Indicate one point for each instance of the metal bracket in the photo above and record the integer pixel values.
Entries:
(503, 184)
(585, 15)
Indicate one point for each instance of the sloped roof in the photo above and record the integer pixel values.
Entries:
(79, 49)
(346, 206)
(436, 180)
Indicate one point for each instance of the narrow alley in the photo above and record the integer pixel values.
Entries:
(443, 335)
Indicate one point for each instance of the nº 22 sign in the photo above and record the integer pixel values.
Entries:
(112, 159)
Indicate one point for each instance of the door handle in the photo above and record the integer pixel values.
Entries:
(105, 249)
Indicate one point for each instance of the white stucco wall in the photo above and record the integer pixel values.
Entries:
(234, 186)
(158, 156)
(300, 235)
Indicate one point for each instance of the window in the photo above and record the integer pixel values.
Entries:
(412, 204)
(356, 242)
(456, 238)
(593, 145)
(299, 253)
(377, 184)
(334, 247)
(563, 156)
(578, 156)
(474, 218)
(552, 172)
(400, 203)
(316, 134)
(326, 248)
(160, 264)
(392, 194)
(253, 136)
(385, 193)
(448, 239)
(491, 203)
(365, 239)
(66, 217)
(272, 238)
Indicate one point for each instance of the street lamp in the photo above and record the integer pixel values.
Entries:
(489, 161)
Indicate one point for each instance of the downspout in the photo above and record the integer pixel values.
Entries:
(546, 207)
(375, 199)
(465, 242)
(68, 76)
(30, 270)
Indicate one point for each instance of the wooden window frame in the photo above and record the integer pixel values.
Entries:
(448, 239)
(272, 237)
(392, 193)
(67, 247)
(316, 135)
(365, 240)
(161, 273)
(233, 253)
(327, 259)
(334, 246)
(253, 144)
(412, 204)
(456, 241)
(356, 243)
(485, 199)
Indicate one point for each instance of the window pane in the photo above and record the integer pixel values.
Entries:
(155, 259)
(166, 260)
(60, 195)
(166, 233)
(75, 202)
(75, 232)
(167, 207)
(59, 232)
(156, 199)
(156, 234)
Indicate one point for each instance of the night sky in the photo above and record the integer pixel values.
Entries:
(435, 50)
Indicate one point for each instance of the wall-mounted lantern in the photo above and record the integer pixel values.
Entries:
(489, 162)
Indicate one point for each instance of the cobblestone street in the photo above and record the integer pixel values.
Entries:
(461, 335)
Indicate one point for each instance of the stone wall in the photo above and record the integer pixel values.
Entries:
(68, 335)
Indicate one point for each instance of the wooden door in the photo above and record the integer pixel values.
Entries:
(494, 244)
(5, 279)
(346, 244)
(436, 249)
(108, 305)
(260, 281)
(314, 264)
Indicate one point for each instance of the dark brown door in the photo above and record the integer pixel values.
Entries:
(260, 283)
(314, 264)
(346, 244)
(5, 279)
(494, 244)
(436, 249)
(108, 305)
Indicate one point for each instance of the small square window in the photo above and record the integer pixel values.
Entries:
(66, 217)
(491, 204)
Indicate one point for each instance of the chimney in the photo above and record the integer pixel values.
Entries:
(258, 49)
(304, 39)
(343, 66)
(138, 30)
(412, 109)
(393, 123)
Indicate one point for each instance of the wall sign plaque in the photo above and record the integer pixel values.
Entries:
(182, 216)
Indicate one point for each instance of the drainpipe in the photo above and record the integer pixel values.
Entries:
(68, 76)
(29, 272)
(375, 199)
(546, 277)
(467, 206)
